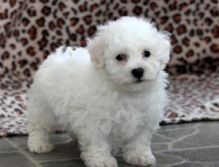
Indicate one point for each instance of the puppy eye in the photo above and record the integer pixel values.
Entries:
(121, 57)
(146, 53)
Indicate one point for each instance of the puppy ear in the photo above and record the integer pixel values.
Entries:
(165, 48)
(96, 51)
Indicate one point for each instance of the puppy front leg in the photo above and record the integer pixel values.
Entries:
(38, 141)
(95, 150)
(138, 150)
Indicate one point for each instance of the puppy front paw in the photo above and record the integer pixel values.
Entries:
(40, 146)
(102, 161)
(142, 159)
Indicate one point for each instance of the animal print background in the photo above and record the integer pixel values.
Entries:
(31, 29)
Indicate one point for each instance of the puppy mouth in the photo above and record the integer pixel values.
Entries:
(139, 81)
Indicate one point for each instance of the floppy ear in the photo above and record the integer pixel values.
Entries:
(96, 51)
(164, 49)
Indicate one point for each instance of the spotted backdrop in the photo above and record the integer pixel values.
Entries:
(32, 29)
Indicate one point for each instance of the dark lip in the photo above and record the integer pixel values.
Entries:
(139, 81)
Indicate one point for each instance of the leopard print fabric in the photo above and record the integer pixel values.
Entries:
(41, 27)
(32, 29)
(193, 98)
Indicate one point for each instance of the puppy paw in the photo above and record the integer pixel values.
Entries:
(40, 147)
(101, 162)
(142, 159)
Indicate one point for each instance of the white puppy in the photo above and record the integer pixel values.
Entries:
(112, 102)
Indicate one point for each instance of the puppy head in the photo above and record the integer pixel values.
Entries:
(131, 50)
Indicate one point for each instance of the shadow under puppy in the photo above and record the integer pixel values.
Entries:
(110, 95)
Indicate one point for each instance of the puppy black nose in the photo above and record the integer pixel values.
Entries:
(138, 72)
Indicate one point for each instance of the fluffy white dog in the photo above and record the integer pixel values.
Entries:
(110, 95)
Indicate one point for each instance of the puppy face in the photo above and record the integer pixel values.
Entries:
(131, 50)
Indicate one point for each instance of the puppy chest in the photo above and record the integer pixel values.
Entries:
(127, 124)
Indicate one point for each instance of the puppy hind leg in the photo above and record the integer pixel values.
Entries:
(40, 124)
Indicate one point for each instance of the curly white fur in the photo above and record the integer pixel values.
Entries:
(99, 101)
